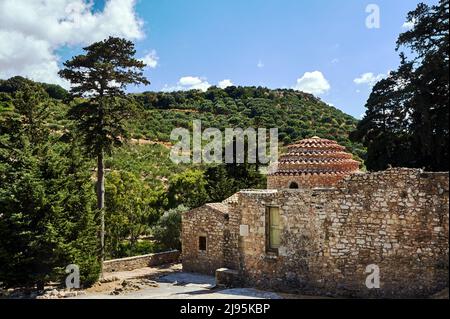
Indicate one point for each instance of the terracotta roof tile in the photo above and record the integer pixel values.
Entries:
(316, 156)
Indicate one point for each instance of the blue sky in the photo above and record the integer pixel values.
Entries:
(197, 43)
(219, 40)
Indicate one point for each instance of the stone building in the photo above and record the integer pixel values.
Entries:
(322, 227)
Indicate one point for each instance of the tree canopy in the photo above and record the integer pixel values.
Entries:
(101, 76)
(46, 205)
(407, 117)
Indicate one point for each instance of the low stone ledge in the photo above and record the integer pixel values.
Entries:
(227, 278)
(136, 262)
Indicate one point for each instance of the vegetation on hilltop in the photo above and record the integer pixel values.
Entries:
(297, 115)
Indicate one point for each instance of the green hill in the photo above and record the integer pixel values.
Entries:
(297, 115)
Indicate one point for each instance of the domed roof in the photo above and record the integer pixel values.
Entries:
(316, 156)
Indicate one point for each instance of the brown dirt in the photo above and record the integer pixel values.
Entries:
(142, 141)
(184, 110)
(113, 280)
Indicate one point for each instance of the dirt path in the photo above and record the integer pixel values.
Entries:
(114, 280)
(168, 283)
(142, 141)
(184, 110)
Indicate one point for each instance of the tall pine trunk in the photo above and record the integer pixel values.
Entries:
(101, 205)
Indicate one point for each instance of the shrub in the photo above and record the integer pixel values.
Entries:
(168, 229)
(142, 247)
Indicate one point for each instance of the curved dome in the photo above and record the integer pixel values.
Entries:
(313, 162)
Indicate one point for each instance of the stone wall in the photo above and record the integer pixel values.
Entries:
(150, 260)
(304, 180)
(220, 226)
(397, 220)
(227, 277)
(207, 222)
(231, 238)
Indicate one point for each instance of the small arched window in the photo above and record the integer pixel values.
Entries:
(293, 185)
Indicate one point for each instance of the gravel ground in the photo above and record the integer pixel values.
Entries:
(176, 285)
(164, 282)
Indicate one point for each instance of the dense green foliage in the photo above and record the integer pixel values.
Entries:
(150, 162)
(18, 83)
(167, 232)
(130, 211)
(141, 247)
(46, 203)
(407, 117)
(225, 180)
(297, 115)
(188, 188)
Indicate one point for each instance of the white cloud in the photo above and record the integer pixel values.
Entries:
(408, 25)
(190, 81)
(151, 59)
(313, 82)
(369, 78)
(187, 83)
(225, 83)
(20, 55)
(32, 31)
(260, 64)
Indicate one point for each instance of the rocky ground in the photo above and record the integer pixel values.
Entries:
(176, 285)
(163, 282)
(50, 292)
(111, 284)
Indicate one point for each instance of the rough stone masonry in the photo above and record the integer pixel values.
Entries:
(330, 224)
(396, 219)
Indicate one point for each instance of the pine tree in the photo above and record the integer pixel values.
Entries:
(101, 75)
